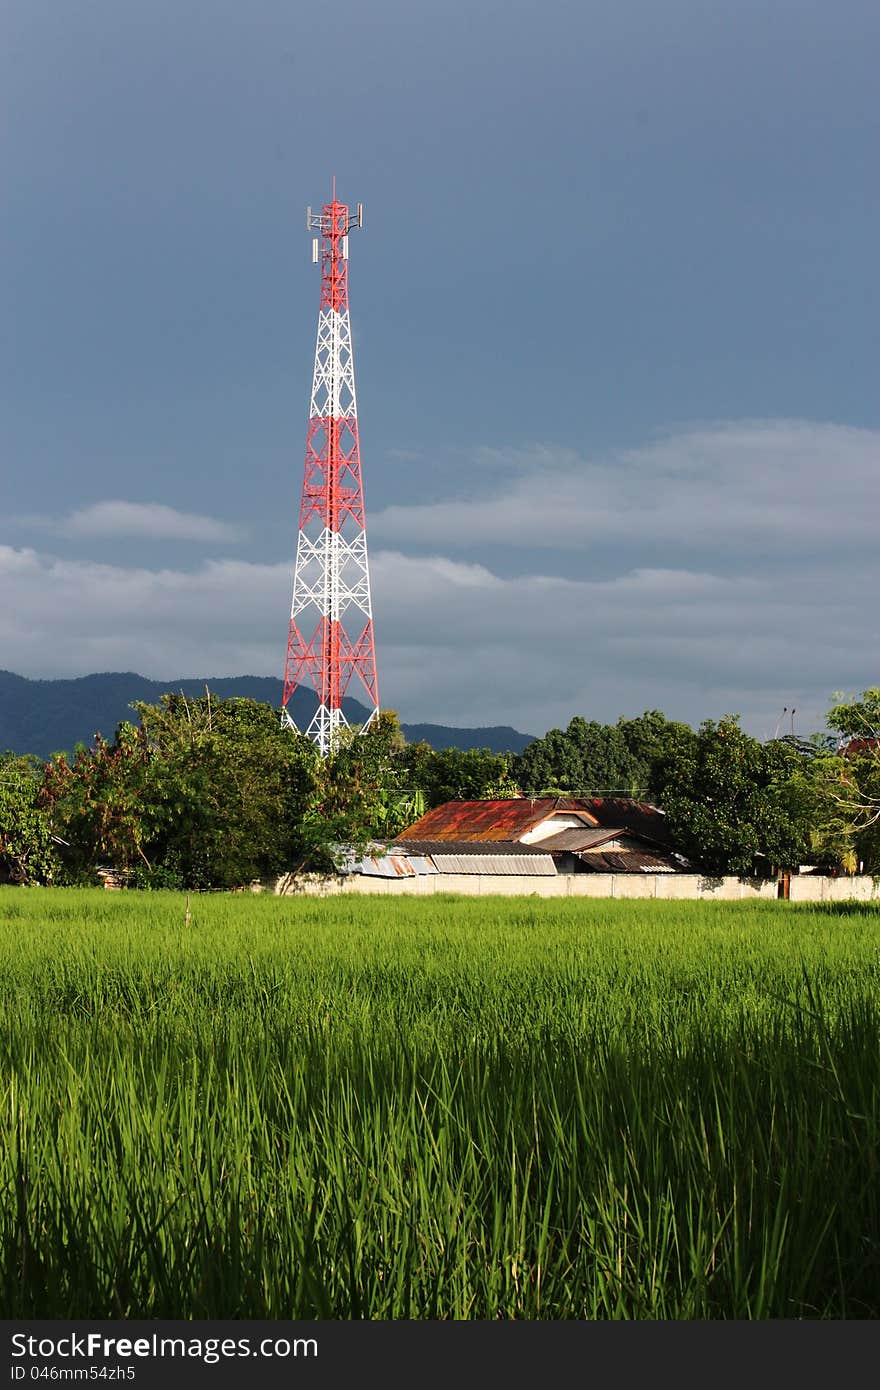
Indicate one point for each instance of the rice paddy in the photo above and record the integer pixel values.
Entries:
(451, 1108)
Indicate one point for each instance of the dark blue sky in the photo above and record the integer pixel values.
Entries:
(621, 254)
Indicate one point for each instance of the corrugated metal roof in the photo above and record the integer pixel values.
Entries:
(625, 813)
(385, 866)
(396, 863)
(540, 865)
(492, 820)
(421, 864)
(627, 861)
(473, 847)
(574, 840)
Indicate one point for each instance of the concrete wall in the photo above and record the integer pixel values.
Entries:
(804, 888)
(814, 888)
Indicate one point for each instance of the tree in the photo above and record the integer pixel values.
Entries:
(814, 787)
(852, 775)
(457, 774)
(373, 784)
(229, 791)
(594, 758)
(857, 718)
(548, 763)
(28, 853)
(585, 757)
(201, 793)
(734, 804)
(97, 803)
(358, 796)
(652, 740)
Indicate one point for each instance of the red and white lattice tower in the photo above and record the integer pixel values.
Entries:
(331, 618)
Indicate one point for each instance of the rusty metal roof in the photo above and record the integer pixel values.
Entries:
(396, 862)
(852, 747)
(628, 861)
(492, 820)
(493, 847)
(385, 866)
(624, 813)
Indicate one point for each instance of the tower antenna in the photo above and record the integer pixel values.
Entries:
(331, 580)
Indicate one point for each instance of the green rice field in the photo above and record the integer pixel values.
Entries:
(440, 1108)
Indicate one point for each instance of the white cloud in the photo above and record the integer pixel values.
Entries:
(117, 519)
(460, 644)
(770, 487)
(69, 617)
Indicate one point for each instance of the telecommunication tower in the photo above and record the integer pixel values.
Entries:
(331, 617)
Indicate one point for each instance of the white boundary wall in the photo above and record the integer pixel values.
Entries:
(813, 888)
(807, 888)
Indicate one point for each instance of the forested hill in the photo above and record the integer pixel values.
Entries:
(49, 716)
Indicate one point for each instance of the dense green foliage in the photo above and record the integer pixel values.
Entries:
(456, 774)
(855, 776)
(208, 793)
(732, 802)
(596, 759)
(201, 793)
(27, 850)
(292, 1108)
(857, 717)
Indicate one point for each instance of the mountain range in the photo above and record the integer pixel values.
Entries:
(50, 716)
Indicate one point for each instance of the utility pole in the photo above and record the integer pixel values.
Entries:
(331, 618)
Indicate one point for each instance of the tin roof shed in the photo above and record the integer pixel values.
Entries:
(510, 819)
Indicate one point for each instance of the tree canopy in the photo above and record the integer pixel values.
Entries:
(28, 853)
(208, 793)
(732, 803)
(593, 758)
(201, 793)
(852, 777)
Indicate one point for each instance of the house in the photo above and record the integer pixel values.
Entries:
(409, 859)
(541, 836)
(855, 747)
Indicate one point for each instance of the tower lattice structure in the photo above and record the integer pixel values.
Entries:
(331, 617)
